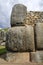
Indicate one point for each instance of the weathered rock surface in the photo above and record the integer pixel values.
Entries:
(39, 35)
(17, 57)
(18, 14)
(37, 56)
(20, 38)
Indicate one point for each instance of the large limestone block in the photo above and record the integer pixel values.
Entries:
(37, 56)
(20, 38)
(17, 57)
(18, 14)
(39, 35)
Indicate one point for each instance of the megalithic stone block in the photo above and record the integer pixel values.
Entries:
(37, 56)
(39, 35)
(20, 38)
(17, 57)
(18, 14)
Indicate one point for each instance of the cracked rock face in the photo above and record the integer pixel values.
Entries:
(18, 14)
(20, 38)
(39, 35)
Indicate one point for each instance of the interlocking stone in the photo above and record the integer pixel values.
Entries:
(17, 57)
(20, 38)
(33, 17)
(18, 14)
(39, 35)
(37, 56)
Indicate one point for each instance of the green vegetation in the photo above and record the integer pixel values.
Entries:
(5, 29)
(2, 49)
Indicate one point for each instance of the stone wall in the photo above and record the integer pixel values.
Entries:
(34, 17)
(2, 37)
(25, 38)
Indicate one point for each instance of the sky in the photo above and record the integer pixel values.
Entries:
(6, 8)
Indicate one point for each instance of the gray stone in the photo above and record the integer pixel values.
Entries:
(2, 35)
(20, 38)
(18, 14)
(4, 39)
(37, 56)
(39, 35)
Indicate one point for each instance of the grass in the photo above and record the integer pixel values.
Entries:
(5, 29)
(2, 49)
